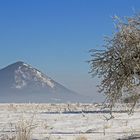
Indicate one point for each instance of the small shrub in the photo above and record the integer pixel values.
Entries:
(24, 129)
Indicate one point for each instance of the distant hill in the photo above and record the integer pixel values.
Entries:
(20, 82)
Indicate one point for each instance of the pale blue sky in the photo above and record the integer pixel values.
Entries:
(56, 35)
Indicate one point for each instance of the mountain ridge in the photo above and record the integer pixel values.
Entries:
(24, 83)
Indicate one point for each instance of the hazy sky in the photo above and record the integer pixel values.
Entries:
(56, 35)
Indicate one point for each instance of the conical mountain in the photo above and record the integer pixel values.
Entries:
(20, 82)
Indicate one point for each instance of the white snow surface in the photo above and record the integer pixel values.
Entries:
(59, 122)
(25, 74)
(45, 80)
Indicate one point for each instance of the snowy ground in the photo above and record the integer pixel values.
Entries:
(67, 122)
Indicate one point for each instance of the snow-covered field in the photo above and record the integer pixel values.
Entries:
(66, 122)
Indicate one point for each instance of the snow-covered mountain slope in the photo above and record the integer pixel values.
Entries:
(20, 82)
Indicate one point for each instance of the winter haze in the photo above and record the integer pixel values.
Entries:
(21, 83)
(55, 37)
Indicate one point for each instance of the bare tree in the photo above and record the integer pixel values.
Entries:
(118, 65)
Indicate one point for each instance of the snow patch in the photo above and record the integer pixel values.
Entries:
(19, 82)
(26, 74)
(45, 80)
(24, 64)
